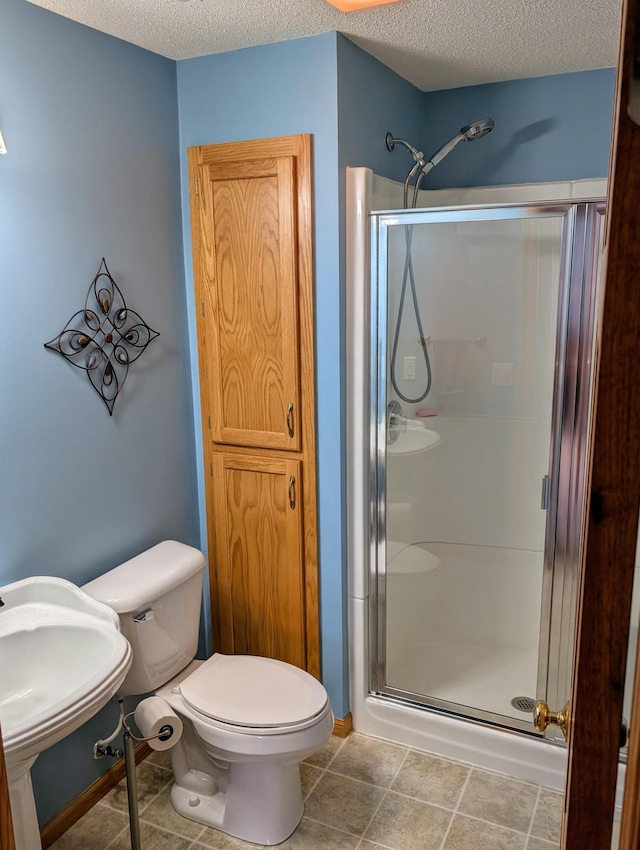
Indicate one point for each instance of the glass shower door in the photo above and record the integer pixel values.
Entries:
(475, 444)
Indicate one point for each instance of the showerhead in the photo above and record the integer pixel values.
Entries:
(477, 130)
(467, 134)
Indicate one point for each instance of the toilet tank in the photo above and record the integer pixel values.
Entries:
(157, 596)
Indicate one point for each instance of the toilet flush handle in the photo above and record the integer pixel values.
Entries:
(144, 616)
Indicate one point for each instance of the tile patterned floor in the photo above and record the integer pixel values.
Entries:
(360, 794)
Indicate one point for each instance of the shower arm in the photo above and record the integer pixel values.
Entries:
(469, 133)
(418, 161)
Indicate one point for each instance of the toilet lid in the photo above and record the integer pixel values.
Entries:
(245, 690)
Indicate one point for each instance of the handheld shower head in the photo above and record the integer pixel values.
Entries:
(467, 134)
(478, 129)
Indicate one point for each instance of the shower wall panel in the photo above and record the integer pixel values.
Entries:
(481, 318)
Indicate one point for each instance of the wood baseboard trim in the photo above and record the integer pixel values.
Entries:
(343, 727)
(65, 819)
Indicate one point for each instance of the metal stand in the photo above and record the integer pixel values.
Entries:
(132, 790)
(103, 747)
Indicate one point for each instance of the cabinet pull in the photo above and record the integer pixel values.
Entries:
(290, 419)
(292, 494)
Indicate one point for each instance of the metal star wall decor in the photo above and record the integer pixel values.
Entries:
(104, 338)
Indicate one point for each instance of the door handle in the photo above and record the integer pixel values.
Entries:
(544, 498)
(290, 419)
(292, 492)
(543, 717)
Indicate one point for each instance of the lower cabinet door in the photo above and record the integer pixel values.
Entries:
(258, 577)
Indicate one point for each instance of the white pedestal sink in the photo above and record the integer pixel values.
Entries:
(62, 658)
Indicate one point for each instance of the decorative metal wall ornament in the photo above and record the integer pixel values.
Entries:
(104, 338)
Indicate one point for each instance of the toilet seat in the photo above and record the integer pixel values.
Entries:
(260, 696)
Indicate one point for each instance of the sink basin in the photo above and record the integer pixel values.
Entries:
(62, 658)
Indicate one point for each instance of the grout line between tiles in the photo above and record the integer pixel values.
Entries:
(375, 844)
(172, 832)
(533, 814)
(123, 782)
(502, 775)
(386, 790)
(117, 836)
(422, 800)
(329, 826)
(455, 811)
(344, 741)
(314, 786)
(492, 823)
(151, 800)
(175, 834)
(364, 781)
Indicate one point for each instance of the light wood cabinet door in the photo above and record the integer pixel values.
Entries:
(259, 593)
(252, 239)
(248, 294)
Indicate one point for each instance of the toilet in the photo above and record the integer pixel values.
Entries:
(248, 721)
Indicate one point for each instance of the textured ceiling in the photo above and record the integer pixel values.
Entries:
(435, 44)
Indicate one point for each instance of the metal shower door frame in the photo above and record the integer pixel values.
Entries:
(568, 454)
(569, 459)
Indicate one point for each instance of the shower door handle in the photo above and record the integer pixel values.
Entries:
(543, 717)
(544, 498)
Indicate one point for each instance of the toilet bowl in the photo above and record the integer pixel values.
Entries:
(248, 722)
(243, 777)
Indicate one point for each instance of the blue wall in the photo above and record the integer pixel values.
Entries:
(547, 128)
(278, 90)
(93, 169)
(372, 101)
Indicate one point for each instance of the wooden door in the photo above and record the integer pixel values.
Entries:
(259, 556)
(248, 295)
(611, 528)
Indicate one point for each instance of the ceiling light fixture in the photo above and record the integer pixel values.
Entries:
(354, 5)
(3, 147)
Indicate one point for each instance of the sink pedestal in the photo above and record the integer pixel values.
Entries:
(23, 805)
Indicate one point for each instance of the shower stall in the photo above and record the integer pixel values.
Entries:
(467, 432)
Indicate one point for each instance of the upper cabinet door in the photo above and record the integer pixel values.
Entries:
(248, 288)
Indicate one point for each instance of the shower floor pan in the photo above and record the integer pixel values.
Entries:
(463, 626)
(481, 677)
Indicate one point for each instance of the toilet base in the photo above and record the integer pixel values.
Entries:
(262, 803)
